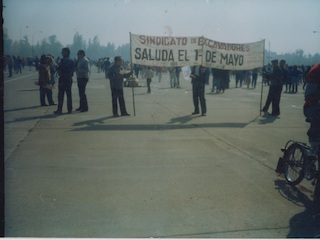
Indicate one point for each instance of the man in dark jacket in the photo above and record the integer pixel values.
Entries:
(198, 86)
(312, 107)
(65, 70)
(275, 90)
(116, 74)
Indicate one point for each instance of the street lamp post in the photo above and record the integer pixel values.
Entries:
(32, 42)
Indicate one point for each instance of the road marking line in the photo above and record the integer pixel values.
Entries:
(14, 79)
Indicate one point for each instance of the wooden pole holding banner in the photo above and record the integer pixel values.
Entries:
(132, 85)
(202, 52)
(264, 42)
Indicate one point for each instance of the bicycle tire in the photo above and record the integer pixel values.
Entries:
(294, 163)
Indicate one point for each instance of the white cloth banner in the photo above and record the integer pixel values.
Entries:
(190, 51)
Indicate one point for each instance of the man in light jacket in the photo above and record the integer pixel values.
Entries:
(82, 71)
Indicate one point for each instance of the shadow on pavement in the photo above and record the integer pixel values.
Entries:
(153, 127)
(93, 122)
(23, 119)
(267, 119)
(183, 119)
(20, 109)
(307, 223)
(183, 122)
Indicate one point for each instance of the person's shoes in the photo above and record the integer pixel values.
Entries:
(57, 112)
(69, 111)
(194, 113)
(79, 109)
(203, 114)
(84, 110)
(52, 104)
(125, 114)
(116, 115)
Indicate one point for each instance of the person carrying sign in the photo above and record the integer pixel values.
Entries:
(116, 74)
(198, 86)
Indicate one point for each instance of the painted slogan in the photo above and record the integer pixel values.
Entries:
(190, 51)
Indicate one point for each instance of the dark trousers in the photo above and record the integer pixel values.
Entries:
(117, 95)
(148, 84)
(274, 96)
(82, 83)
(65, 87)
(43, 93)
(314, 130)
(198, 94)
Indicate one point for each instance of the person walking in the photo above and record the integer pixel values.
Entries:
(198, 87)
(106, 66)
(44, 80)
(178, 71)
(254, 78)
(275, 89)
(116, 75)
(82, 72)
(10, 64)
(173, 77)
(65, 70)
(149, 76)
(295, 73)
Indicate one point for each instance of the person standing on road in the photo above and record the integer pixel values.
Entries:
(10, 64)
(116, 75)
(65, 70)
(254, 78)
(173, 77)
(198, 87)
(312, 107)
(106, 65)
(149, 76)
(82, 71)
(274, 90)
(44, 80)
(178, 71)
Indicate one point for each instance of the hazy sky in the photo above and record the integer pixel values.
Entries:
(287, 25)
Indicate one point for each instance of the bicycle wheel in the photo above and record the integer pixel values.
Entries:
(294, 163)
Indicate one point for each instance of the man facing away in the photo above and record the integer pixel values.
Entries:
(275, 90)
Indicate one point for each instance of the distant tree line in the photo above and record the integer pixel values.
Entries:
(95, 51)
(52, 46)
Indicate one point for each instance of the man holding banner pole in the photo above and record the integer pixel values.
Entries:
(198, 87)
(116, 74)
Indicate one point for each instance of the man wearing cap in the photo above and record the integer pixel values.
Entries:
(82, 71)
(116, 75)
(275, 90)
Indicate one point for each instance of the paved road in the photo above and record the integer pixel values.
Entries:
(161, 173)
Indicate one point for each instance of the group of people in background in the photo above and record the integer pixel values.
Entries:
(14, 64)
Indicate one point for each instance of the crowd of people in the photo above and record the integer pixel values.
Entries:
(15, 64)
(280, 78)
